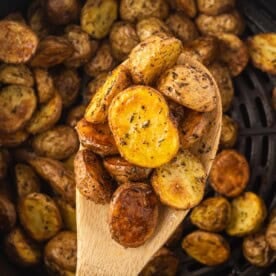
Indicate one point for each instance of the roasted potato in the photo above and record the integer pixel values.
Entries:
(235, 174)
(134, 225)
(248, 212)
(69, 162)
(18, 42)
(40, 216)
(213, 214)
(229, 132)
(215, 7)
(92, 180)
(271, 230)
(222, 76)
(4, 162)
(123, 172)
(57, 143)
(182, 27)
(139, 9)
(16, 16)
(98, 16)
(162, 263)
(13, 139)
(188, 7)
(152, 57)
(20, 249)
(230, 22)
(17, 105)
(68, 214)
(7, 214)
(177, 112)
(180, 183)
(47, 116)
(51, 51)
(144, 128)
(26, 179)
(207, 248)
(96, 137)
(74, 115)
(262, 51)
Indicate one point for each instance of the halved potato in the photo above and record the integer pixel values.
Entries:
(74, 115)
(188, 7)
(7, 214)
(68, 214)
(145, 135)
(215, 7)
(13, 139)
(134, 225)
(248, 212)
(229, 132)
(180, 183)
(177, 112)
(270, 234)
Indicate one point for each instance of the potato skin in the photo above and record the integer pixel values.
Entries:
(75, 115)
(13, 139)
(188, 7)
(216, 7)
(134, 225)
(271, 230)
(7, 214)
(68, 214)
(229, 132)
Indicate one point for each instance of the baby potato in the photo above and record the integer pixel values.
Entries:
(180, 183)
(230, 22)
(98, 16)
(235, 174)
(271, 230)
(182, 27)
(212, 214)
(47, 116)
(139, 9)
(145, 135)
(222, 76)
(39, 216)
(13, 139)
(20, 249)
(18, 42)
(92, 180)
(248, 212)
(27, 181)
(4, 162)
(96, 137)
(123, 172)
(7, 214)
(51, 51)
(69, 162)
(262, 51)
(215, 7)
(74, 115)
(229, 132)
(207, 248)
(16, 74)
(17, 105)
(163, 262)
(68, 214)
(57, 143)
(149, 59)
(16, 16)
(134, 225)
(188, 7)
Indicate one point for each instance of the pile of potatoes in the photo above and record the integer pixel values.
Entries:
(56, 58)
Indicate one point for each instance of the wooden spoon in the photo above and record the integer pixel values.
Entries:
(99, 255)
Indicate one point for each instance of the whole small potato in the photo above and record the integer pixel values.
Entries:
(7, 214)
(74, 115)
(69, 162)
(188, 7)
(215, 7)
(13, 139)
(271, 230)
(68, 214)
(229, 132)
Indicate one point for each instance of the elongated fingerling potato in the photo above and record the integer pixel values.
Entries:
(68, 214)
(229, 132)
(7, 214)
(15, 139)
(134, 225)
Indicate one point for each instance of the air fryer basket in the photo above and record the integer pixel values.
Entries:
(253, 111)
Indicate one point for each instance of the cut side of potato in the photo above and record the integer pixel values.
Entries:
(180, 183)
(144, 134)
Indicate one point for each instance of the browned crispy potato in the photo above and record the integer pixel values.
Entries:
(182, 27)
(74, 115)
(69, 162)
(118, 80)
(180, 186)
(40, 217)
(256, 250)
(18, 42)
(177, 111)
(27, 181)
(188, 7)
(62, 12)
(16, 16)
(144, 128)
(230, 22)
(4, 162)
(123, 172)
(102, 62)
(212, 214)
(235, 174)
(7, 214)
(20, 249)
(13, 139)
(229, 132)
(223, 79)
(47, 116)
(123, 38)
(207, 248)
(262, 51)
(17, 105)
(248, 212)
(176, 236)
(98, 16)
(96, 137)
(60, 254)
(52, 50)
(192, 128)
(211, 7)
(92, 180)
(68, 214)
(149, 59)
(271, 230)
(163, 262)
(67, 83)
(57, 143)
(134, 225)
(16, 74)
